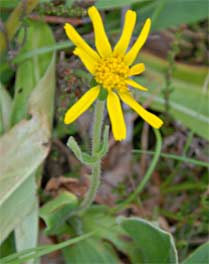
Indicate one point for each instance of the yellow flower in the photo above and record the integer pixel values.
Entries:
(111, 68)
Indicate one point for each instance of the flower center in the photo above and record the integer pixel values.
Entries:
(112, 72)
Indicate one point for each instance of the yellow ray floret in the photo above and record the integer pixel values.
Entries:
(101, 41)
(123, 42)
(151, 119)
(137, 69)
(116, 116)
(88, 61)
(79, 41)
(81, 105)
(112, 71)
(133, 52)
(136, 85)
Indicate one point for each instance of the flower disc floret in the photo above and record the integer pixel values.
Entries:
(112, 72)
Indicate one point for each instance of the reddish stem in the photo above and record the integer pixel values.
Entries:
(57, 20)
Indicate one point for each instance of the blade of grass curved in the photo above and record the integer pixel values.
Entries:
(37, 252)
(28, 54)
(175, 157)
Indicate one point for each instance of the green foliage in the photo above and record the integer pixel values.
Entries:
(172, 13)
(188, 86)
(21, 157)
(137, 238)
(8, 246)
(30, 72)
(69, 3)
(200, 255)
(35, 253)
(54, 211)
(154, 244)
(5, 109)
(8, 3)
(90, 251)
(175, 157)
(13, 22)
(85, 158)
(98, 219)
(108, 4)
(164, 13)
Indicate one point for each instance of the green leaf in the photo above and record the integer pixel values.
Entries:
(25, 146)
(90, 251)
(53, 212)
(15, 200)
(5, 109)
(26, 232)
(34, 253)
(98, 219)
(30, 71)
(200, 255)
(108, 4)
(95, 250)
(85, 158)
(154, 244)
(8, 3)
(188, 100)
(15, 19)
(8, 246)
(69, 3)
(180, 12)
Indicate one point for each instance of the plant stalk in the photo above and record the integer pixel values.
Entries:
(96, 168)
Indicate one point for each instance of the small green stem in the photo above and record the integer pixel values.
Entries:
(96, 168)
(97, 126)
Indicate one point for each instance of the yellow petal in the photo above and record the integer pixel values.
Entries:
(101, 41)
(81, 105)
(123, 42)
(116, 116)
(132, 53)
(79, 41)
(137, 69)
(88, 61)
(151, 119)
(136, 85)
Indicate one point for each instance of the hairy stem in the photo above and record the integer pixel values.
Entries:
(96, 168)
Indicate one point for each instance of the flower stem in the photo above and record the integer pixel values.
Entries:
(96, 168)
